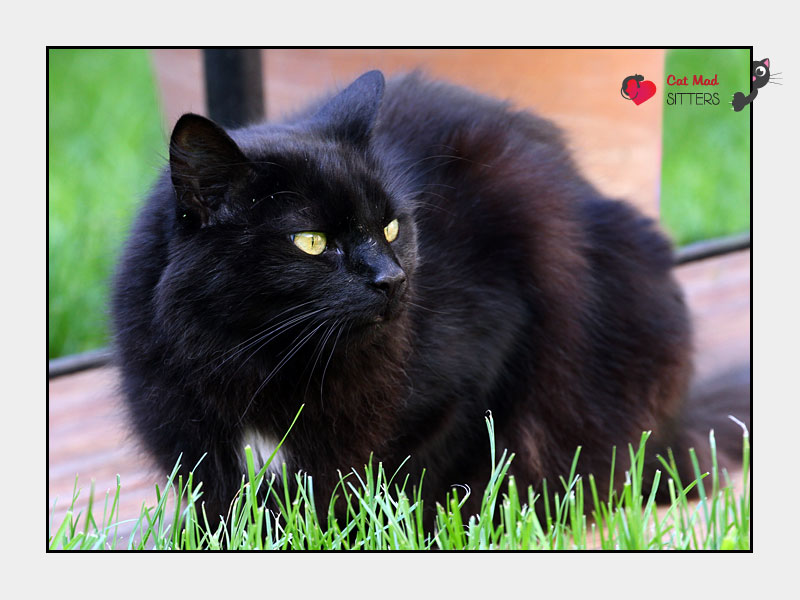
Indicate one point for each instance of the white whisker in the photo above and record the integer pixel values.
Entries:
(280, 365)
(325, 370)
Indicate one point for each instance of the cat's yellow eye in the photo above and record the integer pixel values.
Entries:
(390, 231)
(310, 242)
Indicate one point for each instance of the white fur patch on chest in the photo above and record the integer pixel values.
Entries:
(263, 446)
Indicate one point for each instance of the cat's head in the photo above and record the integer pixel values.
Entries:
(287, 224)
(759, 73)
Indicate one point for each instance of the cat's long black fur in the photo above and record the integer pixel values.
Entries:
(513, 286)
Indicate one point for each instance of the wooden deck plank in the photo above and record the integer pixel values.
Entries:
(718, 294)
(87, 434)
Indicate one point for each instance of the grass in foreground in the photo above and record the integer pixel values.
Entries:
(384, 515)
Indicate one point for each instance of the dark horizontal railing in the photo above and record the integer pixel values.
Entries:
(711, 248)
(64, 365)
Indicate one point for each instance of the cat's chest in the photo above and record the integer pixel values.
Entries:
(263, 445)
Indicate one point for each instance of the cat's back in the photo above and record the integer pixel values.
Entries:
(494, 184)
(427, 117)
(473, 160)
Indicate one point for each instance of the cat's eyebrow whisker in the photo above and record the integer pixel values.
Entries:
(454, 149)
(292, 192)
(266, 162)
(447, 185)
(451, 157)
(438, 195)
(250, 162)
(432, 205)
(423, 159)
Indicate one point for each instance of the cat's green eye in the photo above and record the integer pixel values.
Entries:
(310, 242)
(390, 231)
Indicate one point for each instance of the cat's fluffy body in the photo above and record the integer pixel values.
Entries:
(523, 291)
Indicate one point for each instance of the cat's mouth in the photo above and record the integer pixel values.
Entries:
(384, 317)
(391, 310)
(396, 305)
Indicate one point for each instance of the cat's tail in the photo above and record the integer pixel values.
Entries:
(720, 403)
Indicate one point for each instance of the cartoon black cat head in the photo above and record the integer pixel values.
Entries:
(759, 73)
(624, 91)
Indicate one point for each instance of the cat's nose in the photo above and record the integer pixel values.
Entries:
(391, 280)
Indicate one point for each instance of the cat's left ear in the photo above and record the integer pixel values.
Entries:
(205, 163)
(351, 114)
(766, 62)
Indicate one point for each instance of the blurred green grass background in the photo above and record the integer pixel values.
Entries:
(104, 150)
(106, 146)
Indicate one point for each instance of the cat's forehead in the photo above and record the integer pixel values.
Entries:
(322, 179)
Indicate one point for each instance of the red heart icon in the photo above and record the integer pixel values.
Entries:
(645, 91)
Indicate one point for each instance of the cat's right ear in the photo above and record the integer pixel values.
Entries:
(351, 114)
(204, 164)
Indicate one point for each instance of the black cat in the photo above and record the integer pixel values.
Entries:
(759, 73)
(401, 258)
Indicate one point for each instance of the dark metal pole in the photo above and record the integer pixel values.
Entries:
(234, 90)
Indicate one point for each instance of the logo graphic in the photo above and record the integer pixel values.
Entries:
(693, 97)
(760, 76)
(636, 88)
